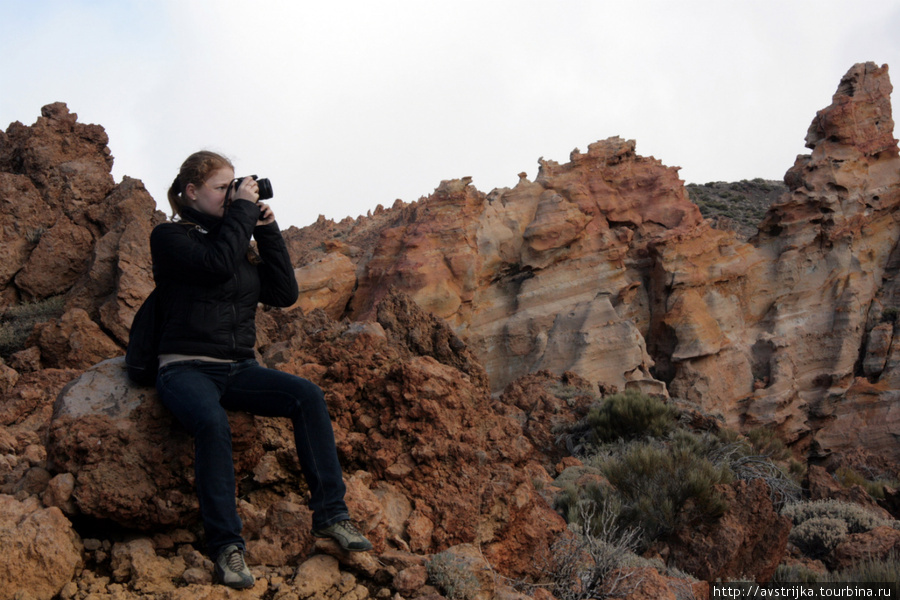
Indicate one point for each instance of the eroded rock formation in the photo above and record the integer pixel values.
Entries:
(453, 337)
(604, 267)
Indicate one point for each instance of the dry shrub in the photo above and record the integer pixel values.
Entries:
(631, 415)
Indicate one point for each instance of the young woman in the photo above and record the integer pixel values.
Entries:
(210, 283)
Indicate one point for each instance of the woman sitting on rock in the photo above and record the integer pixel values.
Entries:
(210, 281)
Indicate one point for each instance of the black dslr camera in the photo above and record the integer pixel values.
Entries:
(265, 186)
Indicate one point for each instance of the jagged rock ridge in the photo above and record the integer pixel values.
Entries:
(604, 267)
(600, 274)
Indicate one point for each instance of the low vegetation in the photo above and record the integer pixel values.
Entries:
(743, 202)
(884, 571)
(821, 525)
(658, 475)
(17, 321)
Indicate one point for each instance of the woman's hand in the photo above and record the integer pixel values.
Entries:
(266, 215)
(247, 190)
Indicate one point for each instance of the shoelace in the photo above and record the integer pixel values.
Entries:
(236, 561)
(349, 526)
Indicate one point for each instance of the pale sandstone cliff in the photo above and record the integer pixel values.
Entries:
(604, 267)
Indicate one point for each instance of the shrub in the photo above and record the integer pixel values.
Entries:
(766, 442)
(818, 536)
(631, 415)
(16, 322)
(796, 574)
(453, 575)
(748, 462)
(659, 489)
(886, 570)
(857, 518)
(848, 477)
(583, 560)
(568, 392)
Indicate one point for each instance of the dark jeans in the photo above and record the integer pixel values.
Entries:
(198, 393)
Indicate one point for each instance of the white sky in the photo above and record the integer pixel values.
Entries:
(347, 105)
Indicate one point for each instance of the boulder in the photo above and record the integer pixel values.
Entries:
(131, 462)
(73, 341)
(42, 552)
(747, 542)
(878, 544)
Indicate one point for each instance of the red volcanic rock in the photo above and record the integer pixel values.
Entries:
(543, 402)
(748, 542)
(26, 217)
(411, 411)
(41, 550)
(860, 113)
(72, 232)
(603, 267)
(73, 341)
(132, 463)
(411, 407)
(68, 162)
(878, 544)
(546, 275)
(60, 258)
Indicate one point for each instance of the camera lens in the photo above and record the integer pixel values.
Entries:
(265, 189)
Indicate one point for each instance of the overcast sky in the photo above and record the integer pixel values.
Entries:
(348, 105)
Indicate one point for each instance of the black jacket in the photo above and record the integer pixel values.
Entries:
(209, 287)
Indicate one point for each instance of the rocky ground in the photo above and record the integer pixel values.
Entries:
(456, 338)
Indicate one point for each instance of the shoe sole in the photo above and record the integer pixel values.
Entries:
(343, 547)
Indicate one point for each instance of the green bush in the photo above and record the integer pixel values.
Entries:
(659, 489)
(766, 442)
(631, 415)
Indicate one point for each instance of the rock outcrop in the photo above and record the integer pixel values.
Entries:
(42, 550)
(748, 542)
(604, 267)
(73, 233)
(454, 337)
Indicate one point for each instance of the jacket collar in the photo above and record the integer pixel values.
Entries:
(207, 222)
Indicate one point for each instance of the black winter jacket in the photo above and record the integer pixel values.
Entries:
(210, 289)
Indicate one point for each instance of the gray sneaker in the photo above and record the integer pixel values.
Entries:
(231, 570)
(346, 535)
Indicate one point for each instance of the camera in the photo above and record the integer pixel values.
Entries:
(265, 186)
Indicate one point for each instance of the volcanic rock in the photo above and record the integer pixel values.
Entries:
(41, 550)
(131, 462)
(73, 231)
(453, 337)
(603, 267)
(748, 542)
(73, 341)
(879, 544)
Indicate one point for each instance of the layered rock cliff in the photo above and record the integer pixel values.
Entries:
(603, 266)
